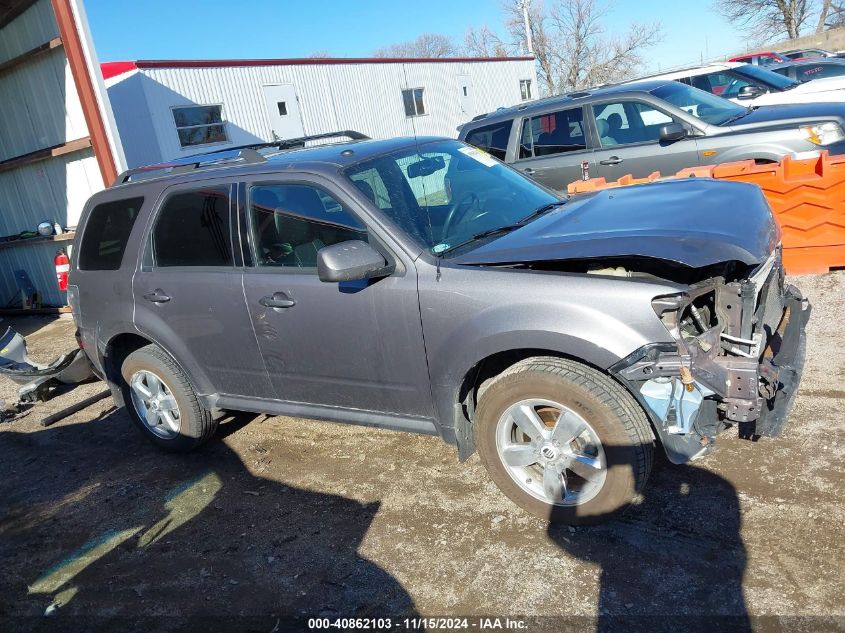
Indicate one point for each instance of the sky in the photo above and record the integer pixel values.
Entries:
(221, 29)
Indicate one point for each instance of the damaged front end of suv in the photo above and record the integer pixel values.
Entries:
(736, 359)
(734, 350)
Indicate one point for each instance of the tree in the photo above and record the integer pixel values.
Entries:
(768, 19)
(426, 45)
(573, 48)
(482, 42)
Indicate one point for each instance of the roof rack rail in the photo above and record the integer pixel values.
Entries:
(235, 156)
(299, 141)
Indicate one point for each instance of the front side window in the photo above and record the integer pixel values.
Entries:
(200, 125)
(525, 89)
(192, 229)
(413, 100)
(628, 122)
(292, 222)
(493, 139)
(554, 133)
(442, 192)
(106, 234)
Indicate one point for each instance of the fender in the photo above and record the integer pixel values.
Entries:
(596, 323)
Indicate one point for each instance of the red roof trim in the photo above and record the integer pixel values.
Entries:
(313, 61)
(113, 69)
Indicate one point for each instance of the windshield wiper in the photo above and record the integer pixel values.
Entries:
(480, 236)
(737, 117)
(536, 213)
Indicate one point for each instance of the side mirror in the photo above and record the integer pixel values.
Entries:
(351, 261)
(672, 132)
(749, 92)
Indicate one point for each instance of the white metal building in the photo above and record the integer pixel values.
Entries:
(58, 144)
(168, 109)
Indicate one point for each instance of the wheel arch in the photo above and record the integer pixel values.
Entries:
(476, 379)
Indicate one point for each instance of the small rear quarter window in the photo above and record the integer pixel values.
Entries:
(106, 233)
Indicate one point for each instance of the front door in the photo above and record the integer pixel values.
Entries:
(629, 138)
(341, 345)
(188, 294)
(283, 111)
(466, 99)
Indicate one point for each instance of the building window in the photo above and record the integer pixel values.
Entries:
(413, 100)
(525, 89)
(283, 108)
(200, 125)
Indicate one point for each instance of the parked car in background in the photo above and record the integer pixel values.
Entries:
(419, 284)
(807, 53)
(649, 126)
(759, 59)
(749, 85)
(811, 69)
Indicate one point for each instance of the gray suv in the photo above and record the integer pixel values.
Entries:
(422, 285)
(648, 126)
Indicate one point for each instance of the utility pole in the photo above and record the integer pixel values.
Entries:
(528, 41)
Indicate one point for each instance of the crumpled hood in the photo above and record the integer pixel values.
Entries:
(696, 222)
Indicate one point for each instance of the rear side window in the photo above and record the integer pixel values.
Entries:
(106, 234)
(493, 139)
(555, 133)
(193, 229)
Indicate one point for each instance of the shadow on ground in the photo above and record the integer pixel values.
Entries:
(673, 562)
(117, 536)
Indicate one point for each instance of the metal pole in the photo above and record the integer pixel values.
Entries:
(528, 40)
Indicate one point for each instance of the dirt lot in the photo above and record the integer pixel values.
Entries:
(282, 516)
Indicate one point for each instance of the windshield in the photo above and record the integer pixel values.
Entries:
(703, 105)
(443, 193)
(766, 76)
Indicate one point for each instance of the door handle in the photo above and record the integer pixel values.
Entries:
(157, 296)
(277, 301)
(613, 160)
(529, 171)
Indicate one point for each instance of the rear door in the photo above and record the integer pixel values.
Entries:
(188, 293)
(552, 147)
(629, 137)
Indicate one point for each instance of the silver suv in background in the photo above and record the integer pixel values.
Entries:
(645, 127)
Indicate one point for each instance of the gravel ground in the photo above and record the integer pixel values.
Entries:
(282, 516)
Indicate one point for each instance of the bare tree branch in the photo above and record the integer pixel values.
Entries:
(426, 45)
(823, 15)
(572, 46)
(482, 42)
(767, 19)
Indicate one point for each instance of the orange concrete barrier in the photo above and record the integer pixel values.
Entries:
(806, 195)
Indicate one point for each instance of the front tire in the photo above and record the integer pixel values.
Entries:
(562, 440)
(162, 402)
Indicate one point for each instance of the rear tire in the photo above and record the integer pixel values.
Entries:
(545, 418)
(162, 402)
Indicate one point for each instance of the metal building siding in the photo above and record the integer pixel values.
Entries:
(40, 106)
(37, 261)
(40, 109)
(30, 29)
(364, 97)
